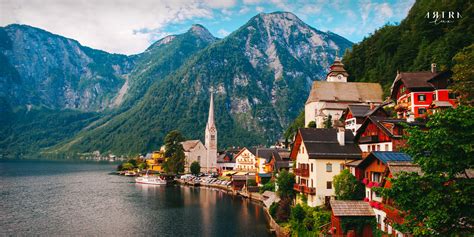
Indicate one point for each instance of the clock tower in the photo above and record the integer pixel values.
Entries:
(211, 139)
(337, 73)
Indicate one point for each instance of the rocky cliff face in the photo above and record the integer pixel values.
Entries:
(42, 69)
(261, 75)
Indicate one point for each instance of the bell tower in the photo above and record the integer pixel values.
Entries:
(211, 139)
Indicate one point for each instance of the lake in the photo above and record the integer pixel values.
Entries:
(80, 198)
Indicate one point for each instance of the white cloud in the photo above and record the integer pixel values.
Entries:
(115, 26)
(220, 3)
(259, 9)
(223, 33)
(244, 10)
(252, 1)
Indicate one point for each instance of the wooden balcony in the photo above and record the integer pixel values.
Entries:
(298, 187)
(309, 190)
(304, 189)
(301, 172)
(369, 139)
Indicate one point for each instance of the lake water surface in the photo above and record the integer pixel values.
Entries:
(76, 198)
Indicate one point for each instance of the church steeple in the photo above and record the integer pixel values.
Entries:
(211, 139)
(210, 119)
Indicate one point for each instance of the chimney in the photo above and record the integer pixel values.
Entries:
(433, 67)
(340, 135)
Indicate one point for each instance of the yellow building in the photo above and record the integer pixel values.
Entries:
(156, 161)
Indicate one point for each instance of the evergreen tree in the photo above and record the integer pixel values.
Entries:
(347, 187)
(174, 153)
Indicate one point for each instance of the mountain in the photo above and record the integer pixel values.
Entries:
(162, 58)
(260, 74)
(38, 68)
(413, 44)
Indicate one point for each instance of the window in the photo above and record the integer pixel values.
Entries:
(368, 148)
(376, 177)
(378, 147)
(386, 147)
(199, 159)
(328, 167)
(311, 167)
(213, 137)
(422, 97)
(451, 96)
(341, 167)
(312, 183)
(421, 110)
(434, 96)
(378, 219)
(329, 185)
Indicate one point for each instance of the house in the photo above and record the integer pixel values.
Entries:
(246, 160)
(226, 161)
(240, 180)
(355, 114)
(382, 134)
(331, 97)
(194, 150)
(417, 92)
(341, 209)
(375, 170)
(155, 161)
(320, 154)
(268, 161)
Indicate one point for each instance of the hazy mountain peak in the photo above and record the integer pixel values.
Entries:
(201, 32)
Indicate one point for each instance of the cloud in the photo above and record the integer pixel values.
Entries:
(223, 33)
(259, 9)
(126, 27)
(220, 3)
(244, 10)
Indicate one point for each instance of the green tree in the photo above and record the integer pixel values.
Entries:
(293, 128)
(142, 166)
(298, 213)
(174, 153)
(347, 187)
(127, 166)
(195, 168)
(312, 124)
(285, 182)
(464, 75)
(440, 201)
(328, 122)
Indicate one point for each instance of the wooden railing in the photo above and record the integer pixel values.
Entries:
(302, 172)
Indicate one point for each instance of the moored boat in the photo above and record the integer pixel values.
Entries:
(156, 180)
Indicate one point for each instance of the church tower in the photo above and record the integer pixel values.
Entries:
(211, 139)
(337, 73)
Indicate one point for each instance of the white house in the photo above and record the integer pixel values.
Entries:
(331, 97)
(194, 150)
(321, 154)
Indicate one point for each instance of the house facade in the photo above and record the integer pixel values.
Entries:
(270, 160)
(331, 97)
(415, 93)
(355, 114)
(194, 150)
(375, 170)
(320, 154)
(246, 160)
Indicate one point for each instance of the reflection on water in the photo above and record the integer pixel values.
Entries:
(66, 198)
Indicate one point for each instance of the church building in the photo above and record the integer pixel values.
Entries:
(210, 164)
(329, 98)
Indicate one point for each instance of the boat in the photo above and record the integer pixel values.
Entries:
(130, 173)
(156, 180)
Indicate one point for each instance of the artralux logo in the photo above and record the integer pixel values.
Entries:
(443, 17)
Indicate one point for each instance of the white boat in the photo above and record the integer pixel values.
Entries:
(156, 180)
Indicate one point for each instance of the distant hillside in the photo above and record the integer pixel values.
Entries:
(413, 44)
(261, 75)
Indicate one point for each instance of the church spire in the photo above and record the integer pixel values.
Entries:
(210, 120)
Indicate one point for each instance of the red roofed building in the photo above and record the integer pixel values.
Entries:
(417, 92)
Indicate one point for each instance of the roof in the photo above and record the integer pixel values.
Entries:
(351, 208)
(395, 167)
(322, 143)
(283, 164)
(354, 163)
(189, 144)
(416, 81)
(268, 153)
(379, 121)
(337, 68)
(438, 103)
(359, 110)
(345, 92)
(220, 158)
(385, 157)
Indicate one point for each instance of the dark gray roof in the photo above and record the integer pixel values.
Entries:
(359, 110)
(322, 143)
(268, 153)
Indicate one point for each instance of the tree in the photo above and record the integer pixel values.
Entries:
(312, 124)
(285, 182)
(439, 201)
(195, 168)
(328, 122)
(142, 166)
(293, 128)
(464, 75)
(347, 187)
(174, 153)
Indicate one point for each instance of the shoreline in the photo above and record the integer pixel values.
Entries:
(273, 226)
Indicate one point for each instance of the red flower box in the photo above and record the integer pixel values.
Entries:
(370, 185)
(366, 199)
(365, 181)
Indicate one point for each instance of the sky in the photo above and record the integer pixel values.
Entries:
(130, 26)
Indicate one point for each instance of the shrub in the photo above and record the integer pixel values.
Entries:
(270, 186)
(273, 209)
(284, 210)
(298, 213)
